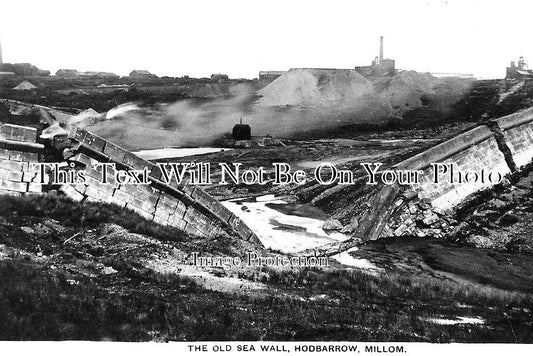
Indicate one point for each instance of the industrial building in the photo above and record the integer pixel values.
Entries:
(141, 74)
(219, 78)
(380, 67)
(23, 69)
(67, 73)
(93, 74)
(73, 73)
(519, 70)
(270, 75)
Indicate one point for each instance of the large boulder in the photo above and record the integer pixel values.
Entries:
(332, 224)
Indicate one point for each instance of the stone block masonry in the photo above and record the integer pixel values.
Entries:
(517, 130)
(483, 156)
(187, 207)
(18, 152)
(17, 133)
(426, 209)
(503, 146)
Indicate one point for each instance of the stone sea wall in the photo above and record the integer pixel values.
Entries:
(18, 151)
(501, 146)
(517, 131)
(187, 207)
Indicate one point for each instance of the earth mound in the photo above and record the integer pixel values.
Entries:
(316, 87)
(346, 89)
(405, 88)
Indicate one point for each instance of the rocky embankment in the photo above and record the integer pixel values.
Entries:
(501, 218)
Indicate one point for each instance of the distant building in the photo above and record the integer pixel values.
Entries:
(67, 73)
(73, 73)
(380, 66)
(219, 77)
(23, 69)
(107, 75)
(270, 75)
(141, 74)
(92, 74)
(519, 71)
(25, 85)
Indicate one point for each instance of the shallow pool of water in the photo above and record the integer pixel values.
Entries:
(289, 233)
(160, 153)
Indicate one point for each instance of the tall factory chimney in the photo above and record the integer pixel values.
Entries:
(380, 49)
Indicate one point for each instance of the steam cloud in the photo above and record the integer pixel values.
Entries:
(189, 123)
(201, 122)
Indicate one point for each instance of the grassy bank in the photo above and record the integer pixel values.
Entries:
(52, 292)
(38, 304)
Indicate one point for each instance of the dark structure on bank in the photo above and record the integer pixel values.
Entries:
(241, 132)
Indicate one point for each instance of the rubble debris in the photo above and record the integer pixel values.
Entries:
(480, 241)
(351, 226)
(332, 224)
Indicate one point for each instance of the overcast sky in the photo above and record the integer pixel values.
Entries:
(241, 37)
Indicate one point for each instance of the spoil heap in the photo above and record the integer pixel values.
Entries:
(316, 87)
(405, 88)
(347, 89)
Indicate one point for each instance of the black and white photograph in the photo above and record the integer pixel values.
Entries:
(266, 177)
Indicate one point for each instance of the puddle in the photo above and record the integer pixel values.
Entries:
(401, 140)
(347, 259)
(160, 153)
(459, 320)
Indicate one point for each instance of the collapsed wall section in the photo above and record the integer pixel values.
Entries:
(426, 209)
(517, 130)
(185, 206)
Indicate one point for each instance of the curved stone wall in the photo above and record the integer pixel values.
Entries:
(503, 146)
(187, 207)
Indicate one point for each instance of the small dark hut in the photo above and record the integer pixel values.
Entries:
(241, 132)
